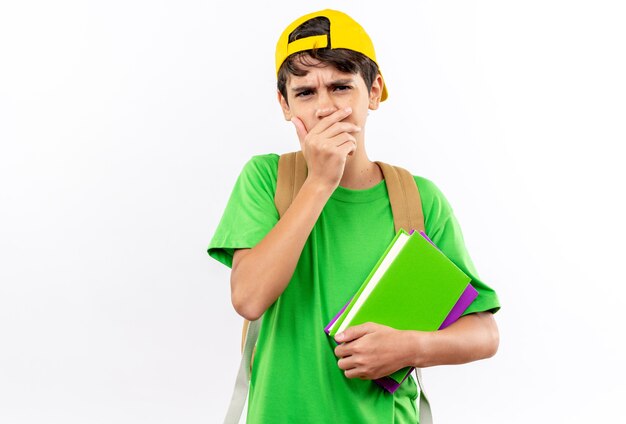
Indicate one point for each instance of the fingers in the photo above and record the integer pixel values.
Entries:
(353, 368)
(355, 332)
(348, 348)
(326, 144)
(351, 359)
(354, 373)
(331, 119)
(346, 363)
(348, 147)
(342, 139)
(338, 134)
(339, 351)
(330, 126)
(341, 127)
(300, 128)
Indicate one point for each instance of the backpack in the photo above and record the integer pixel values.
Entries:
(406, 207)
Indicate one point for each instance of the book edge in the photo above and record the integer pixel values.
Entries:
(340, 320)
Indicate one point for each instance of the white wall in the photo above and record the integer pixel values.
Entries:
(124, 124)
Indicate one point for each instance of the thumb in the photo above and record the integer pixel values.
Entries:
(300, 128)
(353, 333)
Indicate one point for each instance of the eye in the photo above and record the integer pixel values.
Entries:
(304, 93)
(342, 88)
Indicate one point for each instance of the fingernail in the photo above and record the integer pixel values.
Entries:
(348, 109)
(339, 337)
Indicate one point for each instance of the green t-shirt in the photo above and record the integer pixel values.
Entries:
(295, 377)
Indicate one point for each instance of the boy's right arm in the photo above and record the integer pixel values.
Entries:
(259, 275)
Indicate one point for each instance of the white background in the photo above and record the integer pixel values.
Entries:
(124, 124)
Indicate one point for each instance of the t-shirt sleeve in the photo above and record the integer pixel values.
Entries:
(444, 230)
(250, 212)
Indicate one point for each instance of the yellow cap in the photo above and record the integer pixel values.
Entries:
(345, 33)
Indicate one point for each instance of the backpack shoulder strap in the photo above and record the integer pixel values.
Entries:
(404, 196)
(406, 204)
(292, 172)
(240, 391)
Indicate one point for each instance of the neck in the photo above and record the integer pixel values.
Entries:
(360, 173)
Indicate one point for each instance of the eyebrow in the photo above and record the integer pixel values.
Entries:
(334, 83)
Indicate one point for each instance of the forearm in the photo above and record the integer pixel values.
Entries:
(265, 271)
(472, 337)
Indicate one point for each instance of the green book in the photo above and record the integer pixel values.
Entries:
(414, 286)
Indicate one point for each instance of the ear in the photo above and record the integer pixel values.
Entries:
(284, 106)
(376, 92)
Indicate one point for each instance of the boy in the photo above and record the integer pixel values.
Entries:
(297, 272)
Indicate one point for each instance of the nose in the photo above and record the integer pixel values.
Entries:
(325, 105)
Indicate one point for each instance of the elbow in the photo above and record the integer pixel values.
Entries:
(245, 310)
(492, 347)
(493, 338)
(487, 336)
(244, 302)
(244, 305)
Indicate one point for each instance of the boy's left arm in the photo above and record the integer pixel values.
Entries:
(370, 351)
